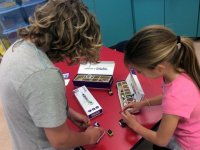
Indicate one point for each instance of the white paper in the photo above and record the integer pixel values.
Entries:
(66, 81)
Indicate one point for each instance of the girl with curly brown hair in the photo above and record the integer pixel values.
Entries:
(33, 91)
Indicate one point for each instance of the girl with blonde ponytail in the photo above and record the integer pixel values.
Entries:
(156, 51)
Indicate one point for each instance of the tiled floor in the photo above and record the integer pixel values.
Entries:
(5, 142)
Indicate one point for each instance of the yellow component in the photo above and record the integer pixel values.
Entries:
(2, 48)
(9, 4)
(4, 45)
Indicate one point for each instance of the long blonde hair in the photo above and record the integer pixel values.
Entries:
(64, 28)
(155, 44)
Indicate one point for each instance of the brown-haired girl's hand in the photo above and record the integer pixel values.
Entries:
(133, 107)
(95, 134)
(129, 119)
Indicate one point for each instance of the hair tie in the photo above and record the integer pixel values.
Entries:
(178, 42)
(178, 39)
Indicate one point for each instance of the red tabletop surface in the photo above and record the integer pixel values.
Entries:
(123, 138)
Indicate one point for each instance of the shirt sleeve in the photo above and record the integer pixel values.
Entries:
(179, 103)
(44, 98)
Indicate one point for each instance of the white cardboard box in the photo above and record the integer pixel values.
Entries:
(135, 86)
(95, 75)
(89, 104)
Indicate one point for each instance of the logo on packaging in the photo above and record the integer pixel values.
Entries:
(97, 68)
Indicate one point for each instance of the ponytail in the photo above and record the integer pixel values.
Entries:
(189, 61)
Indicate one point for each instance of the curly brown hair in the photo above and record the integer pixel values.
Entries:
(64, 29)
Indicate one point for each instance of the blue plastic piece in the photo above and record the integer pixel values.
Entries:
(24, 2)
(6, 4)
(28, 9)
(11, 19)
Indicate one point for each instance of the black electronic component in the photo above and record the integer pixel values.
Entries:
(122, 123)
(96, 124)
(110, 92)
(109, 132)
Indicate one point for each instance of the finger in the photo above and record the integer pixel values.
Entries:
(100, 137)
(101, 130)
(81, 125)
(123, 113)
(125, 119)
(126, 107)
(130, 105)
(83, 119)
(86, 122)
(132, 111)
(124, 116)
(89, 127)
(127, 113)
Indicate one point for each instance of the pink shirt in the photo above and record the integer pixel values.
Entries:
(181, 97)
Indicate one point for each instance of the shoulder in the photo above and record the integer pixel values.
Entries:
(181, 96)
(48, 76)
(183, 85)
(187, 87)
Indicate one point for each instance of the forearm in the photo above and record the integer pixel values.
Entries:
(152, 101)
(164, 133)
(63, 137)
(74, 139)
(70, 113)
(147, 134)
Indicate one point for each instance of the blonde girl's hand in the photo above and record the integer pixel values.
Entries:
(129, 119)
(95, 134)
(133, 107)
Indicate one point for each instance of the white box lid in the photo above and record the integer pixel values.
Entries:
(100, 68)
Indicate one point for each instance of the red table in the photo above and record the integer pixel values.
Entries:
(123, 138)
